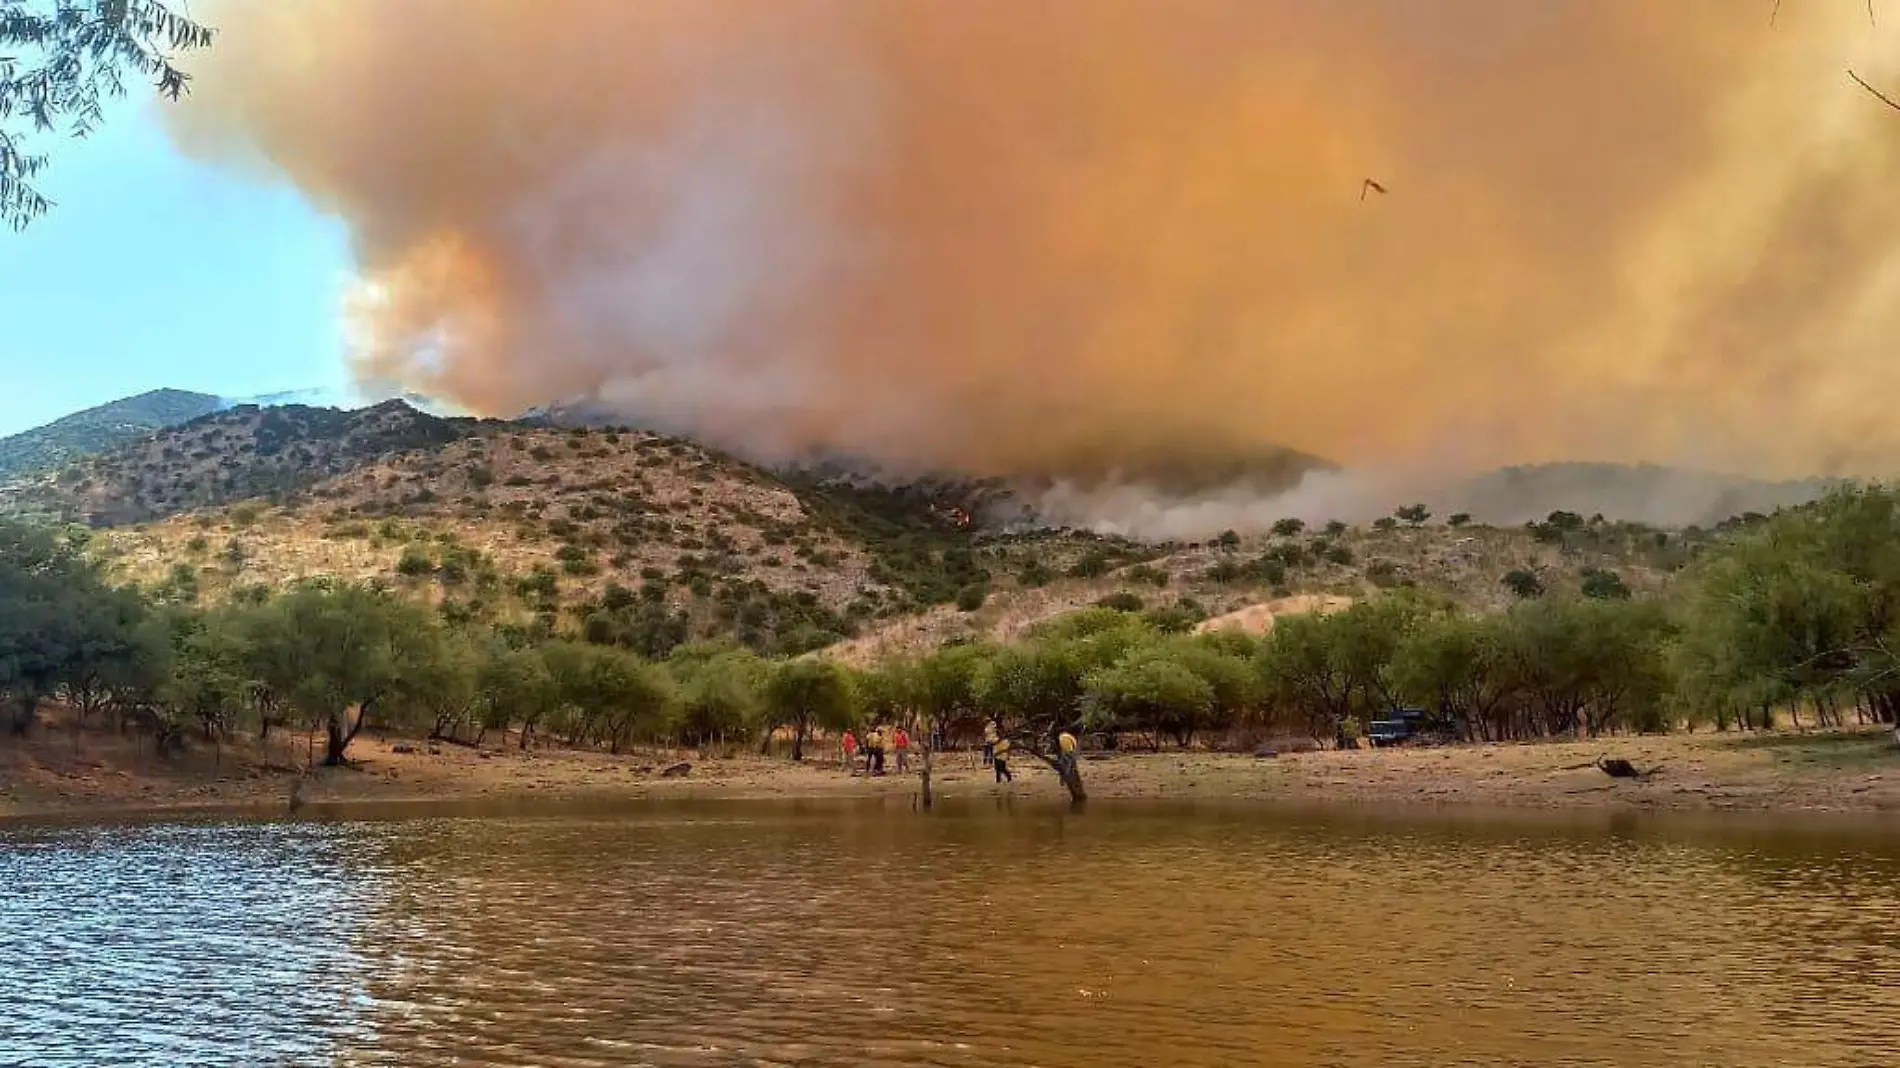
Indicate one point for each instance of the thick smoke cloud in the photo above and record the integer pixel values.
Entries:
(1083, 236)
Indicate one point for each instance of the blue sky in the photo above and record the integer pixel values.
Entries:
(155, 271)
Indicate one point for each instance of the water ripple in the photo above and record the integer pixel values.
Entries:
(736, 935)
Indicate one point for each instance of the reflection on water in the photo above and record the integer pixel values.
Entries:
(866, 935)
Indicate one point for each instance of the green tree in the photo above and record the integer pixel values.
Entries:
(514, 685)
(719, 690)
(1457, 666)
(1786, 614)
(1604, 585)
(1589, 666)
(1331, 669)
(414, 563)
(337, 654)
(887, 691)
(607, 695)
(1303, 673)
(1523, 584)
(805, 694)
(636, 699)
(1225, 663)
(1031, 688)
(1032, 691)
(441, 682)
(203, 673)
(1150, 690)
(52, 607)
(947, 682)
(60, 61)
(1288, 527)
(1034, 574)
(111, 643)
(1413, 514)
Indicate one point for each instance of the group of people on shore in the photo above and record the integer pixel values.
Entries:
(867, 755)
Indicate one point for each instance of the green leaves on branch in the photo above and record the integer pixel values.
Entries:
(61, 60)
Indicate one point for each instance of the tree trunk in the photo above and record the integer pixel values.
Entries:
(1070, 773)
(923, 774)
(25, 712)
(336, 737)
(339, 732)
(798, 742)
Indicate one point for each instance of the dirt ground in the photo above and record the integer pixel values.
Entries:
(57, 770)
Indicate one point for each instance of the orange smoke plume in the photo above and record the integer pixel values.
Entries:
(1000, 236)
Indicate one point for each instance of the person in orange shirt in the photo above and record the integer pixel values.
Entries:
(900, 743)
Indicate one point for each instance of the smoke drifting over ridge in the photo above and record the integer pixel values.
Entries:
(1001, 237)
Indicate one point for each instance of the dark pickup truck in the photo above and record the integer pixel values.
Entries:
(1408, 725)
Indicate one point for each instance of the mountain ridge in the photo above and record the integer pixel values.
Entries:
(648, 540)
(99, 429)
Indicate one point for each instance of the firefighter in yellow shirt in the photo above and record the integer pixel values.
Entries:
(999, 759)
(1065, 749)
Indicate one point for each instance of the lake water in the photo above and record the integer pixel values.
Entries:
(866, 934)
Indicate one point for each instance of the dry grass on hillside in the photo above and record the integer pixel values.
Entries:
(229, 456)
(1465, 565)
(504, 522)
(579, 511)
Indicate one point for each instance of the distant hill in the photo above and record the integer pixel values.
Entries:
(228, 456)
(1644, 493)
(332, 397)
(120, 422)
(99, 429)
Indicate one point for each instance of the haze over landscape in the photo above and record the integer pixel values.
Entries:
(1082, 238)
(633, 531)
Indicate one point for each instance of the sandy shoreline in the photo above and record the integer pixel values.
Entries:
(1848, 771)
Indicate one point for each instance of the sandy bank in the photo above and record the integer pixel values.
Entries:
(52, 773)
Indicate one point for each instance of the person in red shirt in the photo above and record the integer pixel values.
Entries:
(850, 743)
(900, 741)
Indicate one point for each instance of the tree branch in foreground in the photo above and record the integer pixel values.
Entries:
(60, 62)
(1882, 97)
